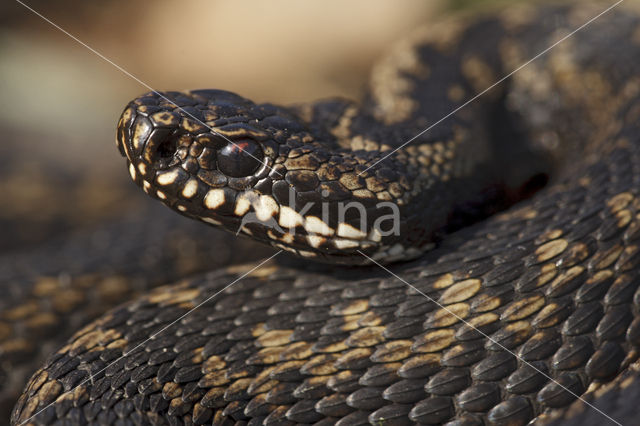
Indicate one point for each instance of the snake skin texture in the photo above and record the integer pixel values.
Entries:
(503, 322)
(53, 290)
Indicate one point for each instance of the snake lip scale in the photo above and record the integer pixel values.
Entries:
(553, 280)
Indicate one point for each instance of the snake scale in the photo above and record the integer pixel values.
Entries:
(502, 322)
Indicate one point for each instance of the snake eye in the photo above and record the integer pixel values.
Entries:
(241, 158)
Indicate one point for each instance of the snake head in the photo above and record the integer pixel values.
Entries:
(258, 170)
(169, 137)
(196, 151)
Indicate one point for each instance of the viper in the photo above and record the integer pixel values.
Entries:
(437, 283)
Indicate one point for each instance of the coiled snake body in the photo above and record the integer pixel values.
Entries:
(502, 322)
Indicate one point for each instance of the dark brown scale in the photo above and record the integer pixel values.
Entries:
(405, 392)
(334, 406)
(540, 346)
(494, 367)
(604, 363)
(528, 378)
(562, 392)
(479, 398)
(433, 410)
(394, 414)
(572, 354)
(509, 337)
(515, 410)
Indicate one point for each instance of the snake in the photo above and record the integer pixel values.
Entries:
(484, 271)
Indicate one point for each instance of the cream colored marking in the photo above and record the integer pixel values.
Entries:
(191, 125)
(266, 207)
(315, 241)
(624, 217)
(551, 249)
(460, 291)
(181, 208)
(142, 168)
(455, 93)
(390, 86)
(348, 231)
(619, 201)
(271, 235)
(357, 143)
(283, 247)
(315, 225)
(341, 131)
(167, 178)
(426, 149)
(289, 218)
(230, 133)
(146, 186)
(214, 199)
(478, 72)
(384, 196)
(132, 171)
(242, 206)
(164, 117)
(443, 281)
(287, 238)
(344, 244)
(161, 195)
(374, 235)
(366, 245)
(210, 221)
(190, 188)
(363, 193)
(305, 253)
(138, 139)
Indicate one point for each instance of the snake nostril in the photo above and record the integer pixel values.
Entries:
(166, 149)
(161, 148)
